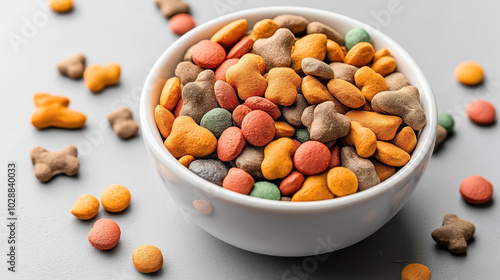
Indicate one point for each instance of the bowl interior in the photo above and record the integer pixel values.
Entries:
(164, 69)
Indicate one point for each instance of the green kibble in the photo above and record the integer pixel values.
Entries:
(354, 36)
(302, 134)
(266, 190)
(446, 120)
(217, 120)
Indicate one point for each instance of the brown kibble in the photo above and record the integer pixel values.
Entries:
(199, 97)
(383, 62)
(170, 8)
(396, 81)
(344, 71)
(363, 168)
(324, 123)
(48, 164)
(313, 67)
(250, 160)
(72, 66)
(123, 124)
(347, 93)
(454, 233)
(187, 71)
(332, 34)
(296, 24)
(391, 154)
(293, 114)
(363, 139)
(442, 134)
(360, 55)
(384, 126)
(276, 50)
(405, 139)
(416, 271)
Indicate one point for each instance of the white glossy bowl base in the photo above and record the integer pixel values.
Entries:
(276, 227)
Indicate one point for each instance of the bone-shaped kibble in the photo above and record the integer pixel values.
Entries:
(404, 103)
(48, 164)
(199, 96)
(276, 50)
(98, 77)
(122, 122)
(170, 8)
(454, 233)
(52, 111)
(324, 123)
(72, 66)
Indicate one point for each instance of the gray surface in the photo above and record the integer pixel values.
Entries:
(53, 244)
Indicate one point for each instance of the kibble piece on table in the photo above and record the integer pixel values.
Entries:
(416, 271)
(86, 207)
(454, 233)
(72, 66)
(147, 258)
(442, 134)
(61, 6)
(170, 8)
(476, 190)
(181, 23)
(446, 121)
(115, 198)
(98, 77)
(48, 164)
(481, 112)
(469, 73)
(105, 234)
(122, 122)
(52, 111)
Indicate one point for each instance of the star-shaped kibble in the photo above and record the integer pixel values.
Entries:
(454, 233)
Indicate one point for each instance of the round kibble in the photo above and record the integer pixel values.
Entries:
(217, 120)
(115, 198)
(265, 190)
(105, 234)
(469, 73)
(181, 23)
(240, 113)
(342, 181)
(354, 36)
(212, 170)
(147, 258)
(238, 180)
(230, 144)
(208, 54)
(481, 112)
(86, 207)
(446, 120)
(476, 190)
(312, 157)
(292, 183)
(416, 271)
(258, 128)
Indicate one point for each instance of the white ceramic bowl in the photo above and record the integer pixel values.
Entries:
(276, 227)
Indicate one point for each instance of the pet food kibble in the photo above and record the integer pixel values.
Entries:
(277, 161)
(283, 129)
(72, 66)
(314, 188)
(188, 56)
(263, 104)
(404, 103)
(314, 91)
(383, 170)
(86, 207)
(250, 160)
(282, 86)
(446, 121)
(313, 67)
(335, 157)
(170, 8)
(246, 77)
(105, 234)
(181, 23)
(363, 139)
(416, 271)
(312, 157)
(186, 160)
(454, 233)
(147, 259)
(164, 120)
(188, 138)
(293, 114)
(230, 144)
(442, 134)
(325, 124)
(294, 23)
(331, 34)
(354, 36)
(342, 181)
(52, 111)
(383, 62)
(276, 50)
(238, 180)
(187, 72)
(264, 29)
(360, 55)
(333, 52)
(230, 33)
(369, 82)
(347, 93)
(481, 112)
(171, 93)
(241, 48)
(203, 207)
(391, 154)
(211, 170)
(405, 139)
(476, 190)
(396, 81)
(217, 120)
(61, 6)
(258, 128)
(469, 73)
(313, 45)
(239, 114)
(48, 164)
(344, 71)
(208, 54)
(265, 190)
(199, 97)
(363, 168)
(98, 77)
(220, 73)
(115, 198)
(122, 122)
(384, 126)
(302, 135)
(292, 183)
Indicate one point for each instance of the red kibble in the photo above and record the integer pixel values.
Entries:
(181, 23)
(105, 234)
(178, 107)
(226, 96)
(220, 73)
(239, 114)
(238, 180)
(335, 157)
(241, 48)
(476, 190)
(230, 144)
(481, 112)
(263, 104)
(292, 183)
(258, 128)
(208, 54)
(312, 157)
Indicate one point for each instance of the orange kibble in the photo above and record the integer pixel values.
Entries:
(363, 139)
(405, 139)
(277, 161)
(334, 52)
(369, 82)
(314, 188)
(52, 111)
(246, 76)
(314, 91)
(416, 271)
(384, 126)
(115, 198)
(342, 181)
(186, 160)
(312, 45)
(230, 33)
(170, 93)
(98, 77)
(283, 129)
(347, 93)
(61, 6)
(164, 120)
(383, 170)
(86, 207)
(282, 86)
(360, 55)
(383, 62)
(391, 154)
(147, 259)
(264, 29)
(469, 73)
(188, 138)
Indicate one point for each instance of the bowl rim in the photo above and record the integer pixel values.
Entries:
(426, 137)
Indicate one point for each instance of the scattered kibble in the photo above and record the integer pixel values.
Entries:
(147, 258)
(181, 23)
(122, 122)
(446, 121)
(416, 271)
(61, 6)
(105, 234)
(48, 164)
(469, 73)
(72, 66)
(115, 198)
(170, 8)
(86, 207)
(454, 233)
(476, 190)
(52, 111)
(481, 112)
(98, 77)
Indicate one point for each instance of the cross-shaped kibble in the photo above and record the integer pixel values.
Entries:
(170, 8)
(454, 233)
